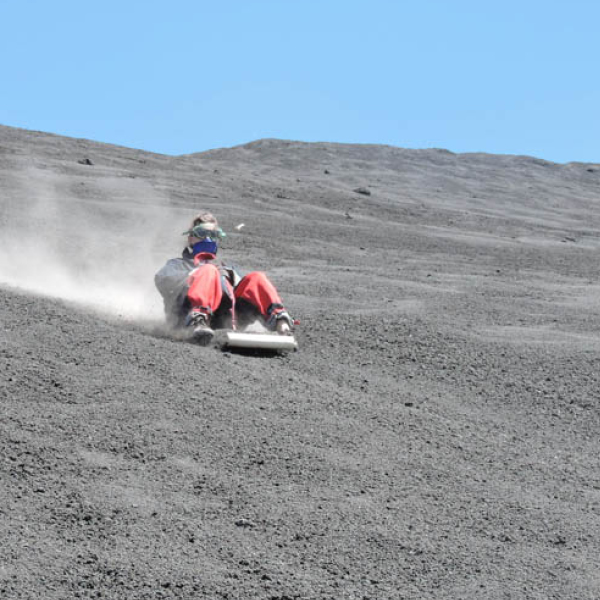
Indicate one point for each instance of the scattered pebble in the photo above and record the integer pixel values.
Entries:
(363, 190)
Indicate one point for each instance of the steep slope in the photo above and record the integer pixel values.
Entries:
(434, 437)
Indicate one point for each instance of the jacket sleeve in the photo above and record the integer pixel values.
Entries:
(171, 282)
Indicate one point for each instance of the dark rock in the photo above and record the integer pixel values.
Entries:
(363, 190)
(244, 523)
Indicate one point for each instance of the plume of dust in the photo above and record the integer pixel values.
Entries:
(97, 252)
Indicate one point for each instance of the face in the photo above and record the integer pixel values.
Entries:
(192, 240)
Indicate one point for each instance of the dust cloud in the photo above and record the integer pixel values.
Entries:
(94, 251)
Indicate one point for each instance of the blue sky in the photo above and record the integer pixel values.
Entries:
(182, 76)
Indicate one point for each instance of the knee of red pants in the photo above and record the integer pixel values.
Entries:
(251, 284)
(254, 278)
(206, 271)
(257, 289)
(205, 289)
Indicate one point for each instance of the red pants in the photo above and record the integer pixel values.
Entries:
(205, 291)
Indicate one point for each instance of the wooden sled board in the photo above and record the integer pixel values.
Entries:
(263, 341)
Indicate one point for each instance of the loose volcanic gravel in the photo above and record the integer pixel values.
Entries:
(434, 437)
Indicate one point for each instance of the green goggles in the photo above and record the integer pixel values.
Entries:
(201, 232)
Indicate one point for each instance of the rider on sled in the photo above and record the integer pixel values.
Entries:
(203, 296)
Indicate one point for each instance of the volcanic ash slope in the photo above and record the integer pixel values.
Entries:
(434, 437)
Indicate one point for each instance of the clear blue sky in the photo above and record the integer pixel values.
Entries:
(510, 77)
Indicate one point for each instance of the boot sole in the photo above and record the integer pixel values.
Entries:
(203, 337)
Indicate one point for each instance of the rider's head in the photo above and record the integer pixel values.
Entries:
(204, 234)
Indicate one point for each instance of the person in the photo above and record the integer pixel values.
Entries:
(202, 296)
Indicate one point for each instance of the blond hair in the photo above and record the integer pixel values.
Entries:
(204, 218)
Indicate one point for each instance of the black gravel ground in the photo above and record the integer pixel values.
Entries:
(435, 437)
